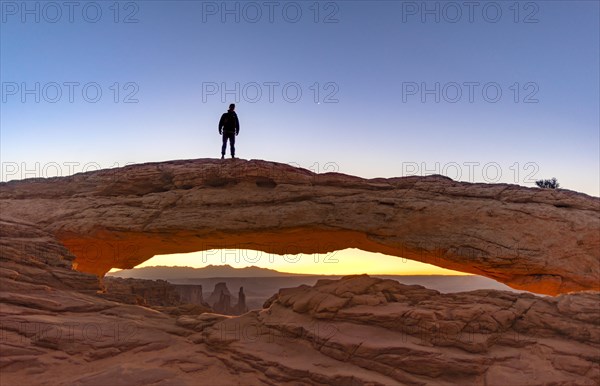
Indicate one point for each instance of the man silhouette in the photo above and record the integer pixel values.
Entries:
(229, 127)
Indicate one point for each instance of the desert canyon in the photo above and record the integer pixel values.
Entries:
(60, 324)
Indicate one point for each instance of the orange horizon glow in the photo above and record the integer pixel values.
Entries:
(338, 263)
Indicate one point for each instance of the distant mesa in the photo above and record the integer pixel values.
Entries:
(189, 293)
(140, 292)
(218, 293)
(154, 294)
(160, 293)
(221, 301)
(540, 240)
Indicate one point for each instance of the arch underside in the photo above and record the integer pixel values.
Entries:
(125, 250)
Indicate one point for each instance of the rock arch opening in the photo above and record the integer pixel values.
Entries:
(125, 250)
(232, 281)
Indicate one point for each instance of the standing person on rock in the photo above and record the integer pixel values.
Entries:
(229, 127)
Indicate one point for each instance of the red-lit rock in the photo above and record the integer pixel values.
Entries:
(545, 241)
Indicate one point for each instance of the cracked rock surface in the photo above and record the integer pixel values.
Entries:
(56, 329)
(358, 330)
(539, 240)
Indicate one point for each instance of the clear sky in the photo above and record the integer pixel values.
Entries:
(487, 92)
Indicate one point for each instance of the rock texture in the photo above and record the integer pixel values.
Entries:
(190, 293)
(142, 292)
(360, 330)
(56, 330)
(545, 241)
(221, 300)
(156, 294)
(241, 307)
(30, 257)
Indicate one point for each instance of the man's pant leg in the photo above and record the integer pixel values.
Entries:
(224, 147)
(232, 143)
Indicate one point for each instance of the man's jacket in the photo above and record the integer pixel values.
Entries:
(229, 123)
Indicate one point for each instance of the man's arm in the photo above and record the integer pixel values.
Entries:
(237, 125)
(221, 124)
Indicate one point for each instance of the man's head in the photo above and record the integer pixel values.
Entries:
(232, 107)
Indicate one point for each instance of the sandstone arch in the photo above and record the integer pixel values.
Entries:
(538, 240)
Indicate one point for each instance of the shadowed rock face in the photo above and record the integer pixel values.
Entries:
(218, 293)
(545, 241)
(190, 293)
(30, 257)
(221, 301)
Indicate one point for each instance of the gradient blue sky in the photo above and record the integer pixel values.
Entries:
(177, 46)
(366, 54)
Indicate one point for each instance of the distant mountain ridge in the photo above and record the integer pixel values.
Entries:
(210, 271)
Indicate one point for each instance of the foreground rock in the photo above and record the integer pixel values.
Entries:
(366, 330)
(33, 258)
(55, 330)
(545, 241)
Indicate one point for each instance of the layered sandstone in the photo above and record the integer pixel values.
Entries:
(545, 241)
(55, 330)
(361, 330)
(190, 293)
(142, 292)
